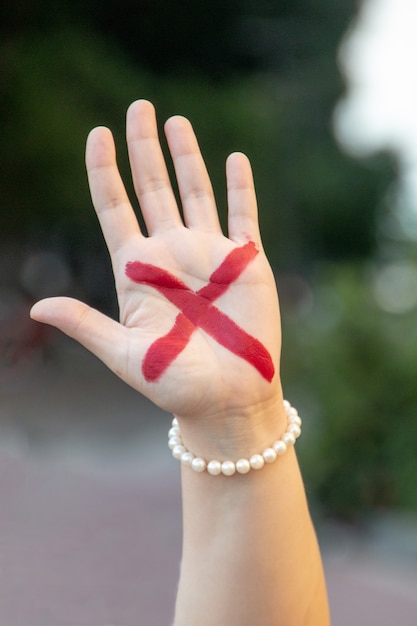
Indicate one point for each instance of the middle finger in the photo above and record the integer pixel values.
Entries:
(150, 175)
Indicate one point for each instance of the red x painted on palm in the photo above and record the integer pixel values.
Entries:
(197, 311)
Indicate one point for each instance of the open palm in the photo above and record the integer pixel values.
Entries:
(199, 321)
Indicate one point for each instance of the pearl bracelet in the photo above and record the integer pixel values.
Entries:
(242, 466)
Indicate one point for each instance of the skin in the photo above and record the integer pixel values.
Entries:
(250, 554)
(197, 310)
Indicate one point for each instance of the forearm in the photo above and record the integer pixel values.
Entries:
(250, 554)
(199, 311)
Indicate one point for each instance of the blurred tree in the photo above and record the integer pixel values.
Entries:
(70, 65)
(355, 364)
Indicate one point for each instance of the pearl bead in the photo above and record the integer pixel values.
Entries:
(174, 441)
(288, 438)
(280, 447)
(198, 465)
(256, 461)
(178, 451)
(214, 468)
(243, 466)
(295, 430)
(228, 468)
(269, 455)
(187, 458)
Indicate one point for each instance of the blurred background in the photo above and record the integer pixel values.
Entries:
(323, 101)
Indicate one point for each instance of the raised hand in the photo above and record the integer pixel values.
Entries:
(199, 334)
(199, 330)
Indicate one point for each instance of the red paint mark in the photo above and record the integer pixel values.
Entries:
(197, 311)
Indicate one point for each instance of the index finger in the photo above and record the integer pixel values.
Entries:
(114, 210)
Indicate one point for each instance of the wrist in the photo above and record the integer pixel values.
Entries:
(235, 434)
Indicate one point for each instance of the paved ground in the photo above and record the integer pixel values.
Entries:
(90, 524)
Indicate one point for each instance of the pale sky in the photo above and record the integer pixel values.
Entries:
(378, 58)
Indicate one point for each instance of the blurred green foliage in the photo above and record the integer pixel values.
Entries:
(354, 366)
(255, 76)
(269, 90)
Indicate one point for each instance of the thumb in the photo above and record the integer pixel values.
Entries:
(95, 331)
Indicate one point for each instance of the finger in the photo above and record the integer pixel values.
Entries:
(101, 335)
(150, 175)
(243, 212)
(117, 218)
(194, 184)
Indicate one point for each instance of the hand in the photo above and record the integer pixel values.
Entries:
(198, 368)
